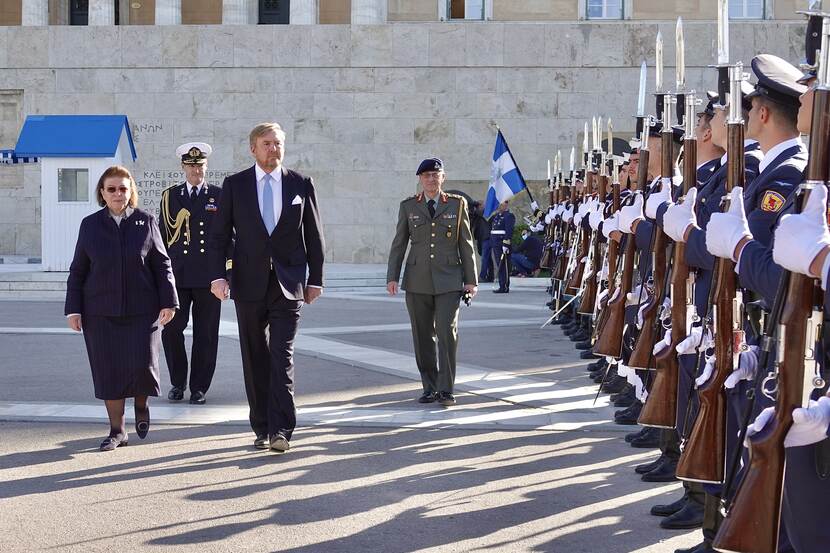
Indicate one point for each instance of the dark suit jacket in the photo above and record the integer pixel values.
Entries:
(120, 271)
(296, 243)
(532, 247)
(190, 260)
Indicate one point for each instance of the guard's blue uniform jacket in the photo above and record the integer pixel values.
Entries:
(501, 235)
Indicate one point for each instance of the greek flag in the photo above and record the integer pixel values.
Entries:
(505, 178)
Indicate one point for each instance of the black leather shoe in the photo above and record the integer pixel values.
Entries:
(583, 345)
(625, 401)
(587, 353)
(649, 440)
(630, 415)
(580, 336)
(198, 398)
(142, 421)
(175, 394)
(690, 516)
(427, 397)
(446, 399)
(627, 390)
(630, 436)
(261, 441)
(598, 364)
(648, 467)
(614, 385)
(114, 441)
(500, 291)
(671, 508)
(279, 443)
(665, 472)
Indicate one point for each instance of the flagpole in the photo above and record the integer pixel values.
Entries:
(527, 188)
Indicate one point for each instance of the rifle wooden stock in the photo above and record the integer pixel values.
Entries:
(589, 296)
(752, 524)
(704, 457)
(546, 262)
(612, 256)
(575, 282)
(641, 357)
(609, 342)
(660, 409)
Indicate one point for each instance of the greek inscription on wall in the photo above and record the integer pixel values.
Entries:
(151, 183)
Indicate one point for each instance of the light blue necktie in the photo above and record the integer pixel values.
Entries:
(268, 205)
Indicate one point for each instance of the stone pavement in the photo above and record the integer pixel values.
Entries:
(525, 462)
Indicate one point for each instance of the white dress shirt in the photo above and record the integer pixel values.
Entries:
(198, 188)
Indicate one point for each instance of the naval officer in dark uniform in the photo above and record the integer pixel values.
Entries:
(186, 213)
(501, 240)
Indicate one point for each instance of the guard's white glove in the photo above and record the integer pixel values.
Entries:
(799, 238)
(549, 217)
(568, 214)
(538, 227)
(631, 213)
(747, 365)
(584, 208)
(558, 210)
(809, 423)
(679, 217)
(708, 369)
(662, 344)
(595, 218)
(534, 206)
(610, 225)
(725, 230)
(636, 296)
(692, 343)
(505, 249)
(656, 199)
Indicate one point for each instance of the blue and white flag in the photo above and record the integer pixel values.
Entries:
(505, 178)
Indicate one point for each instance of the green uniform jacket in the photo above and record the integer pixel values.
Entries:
(441, 255)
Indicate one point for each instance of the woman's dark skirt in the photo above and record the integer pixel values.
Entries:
(123, 354)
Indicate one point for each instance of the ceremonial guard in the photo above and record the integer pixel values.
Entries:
(440, 270)
(501, 240)
(186, 213)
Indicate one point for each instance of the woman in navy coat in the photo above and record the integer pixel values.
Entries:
(120, 292)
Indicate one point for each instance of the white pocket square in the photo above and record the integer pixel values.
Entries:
(297, 200)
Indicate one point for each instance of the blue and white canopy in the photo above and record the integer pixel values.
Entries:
(505, 178)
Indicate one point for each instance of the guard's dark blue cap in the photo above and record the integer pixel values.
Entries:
(430, 164)
(777, 80)
(656, 130)
(712, 99)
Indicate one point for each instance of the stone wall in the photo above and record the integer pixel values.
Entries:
(362, 105)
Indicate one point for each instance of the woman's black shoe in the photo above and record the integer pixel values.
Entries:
(142, 421)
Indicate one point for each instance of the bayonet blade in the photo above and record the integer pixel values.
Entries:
(723, 32)
(680, 57)
(658, 56)
(641, 95)
(573, 153)
(594, 138)
(610, 146)
(585, 139)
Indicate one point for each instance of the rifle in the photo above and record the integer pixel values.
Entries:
(575, 282)
(660, 409)
(589, 295)
(752, 521)
(703, 458)
(610, 340)
(612, 256)
(641, 357)
(546, 262)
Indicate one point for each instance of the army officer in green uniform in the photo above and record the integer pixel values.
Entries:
(440, 267)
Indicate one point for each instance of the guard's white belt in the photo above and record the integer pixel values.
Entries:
(498, 232)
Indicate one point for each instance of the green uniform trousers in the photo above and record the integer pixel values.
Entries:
(435, 316)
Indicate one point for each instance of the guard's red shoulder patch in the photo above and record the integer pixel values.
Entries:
(772, 202)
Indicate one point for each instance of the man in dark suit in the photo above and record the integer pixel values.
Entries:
(526, 258)
(278, 237)
(186, 213)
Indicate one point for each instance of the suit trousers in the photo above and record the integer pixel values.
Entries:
(267, 329)
(431, 317)
(206, 311)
